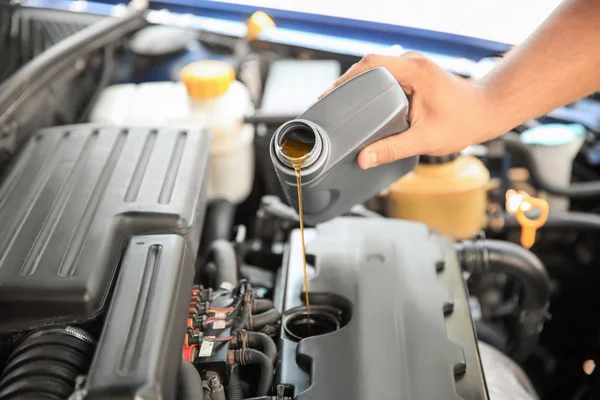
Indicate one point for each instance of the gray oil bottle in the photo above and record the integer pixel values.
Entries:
(359, 112)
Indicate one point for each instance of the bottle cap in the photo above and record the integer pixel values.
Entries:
(207, 79)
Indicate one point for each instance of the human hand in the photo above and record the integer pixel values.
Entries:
(447, 113)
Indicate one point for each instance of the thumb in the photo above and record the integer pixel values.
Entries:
(392, 148)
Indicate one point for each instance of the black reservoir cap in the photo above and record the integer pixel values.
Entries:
(438, 159)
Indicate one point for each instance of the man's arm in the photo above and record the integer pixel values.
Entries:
(558, 64)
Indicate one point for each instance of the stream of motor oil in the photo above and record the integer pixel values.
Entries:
(298, 152)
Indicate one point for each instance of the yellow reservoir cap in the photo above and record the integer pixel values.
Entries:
(207, 79)
(258, 22)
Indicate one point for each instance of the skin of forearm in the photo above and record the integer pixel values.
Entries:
(558, 64)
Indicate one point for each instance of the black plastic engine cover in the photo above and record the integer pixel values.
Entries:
(408, 332)
(72, 202)
(139, 352)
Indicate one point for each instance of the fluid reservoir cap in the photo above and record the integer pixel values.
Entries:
(207, 79)
(553, 134)
(258, 22)
(438, 159)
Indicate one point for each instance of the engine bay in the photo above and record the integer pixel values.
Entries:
(148, 250)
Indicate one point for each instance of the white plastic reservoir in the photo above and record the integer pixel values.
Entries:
(554, 147)
(208, 96)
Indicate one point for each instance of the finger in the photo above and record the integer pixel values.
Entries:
(392, 148)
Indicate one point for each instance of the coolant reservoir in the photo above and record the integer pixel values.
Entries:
(221, 103)
(446, 193)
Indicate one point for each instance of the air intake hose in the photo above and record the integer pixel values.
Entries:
(478, 256)
(46, 364)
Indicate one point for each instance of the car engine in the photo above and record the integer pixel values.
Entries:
(130, 269)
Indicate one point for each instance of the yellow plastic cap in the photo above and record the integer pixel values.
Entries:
(258, 22)
(207, 79)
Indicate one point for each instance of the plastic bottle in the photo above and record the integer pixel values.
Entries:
(449, 194)
(366, 108)
(220, 103)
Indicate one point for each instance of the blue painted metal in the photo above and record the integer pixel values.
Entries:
(387, 34)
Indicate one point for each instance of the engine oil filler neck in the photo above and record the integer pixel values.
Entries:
(322, 320)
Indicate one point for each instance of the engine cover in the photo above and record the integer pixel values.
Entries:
(403, 326)
(72, 202)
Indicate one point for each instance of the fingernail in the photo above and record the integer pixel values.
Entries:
(371, 160)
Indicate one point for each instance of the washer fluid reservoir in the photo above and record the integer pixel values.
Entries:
(220, 103)
(449, 194)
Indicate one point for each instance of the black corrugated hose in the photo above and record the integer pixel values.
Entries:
(234, 388)
(46, 363)
(255, 357)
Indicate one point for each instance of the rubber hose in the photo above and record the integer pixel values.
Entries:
(575, 190)
(515, 261)
(265, 343)
(218, 222)
(267, 318)
(218, 395)
(245, 316)
(255, 357)
(579, 221)
(190, 383)
(46, 363)
(490, 335)
(234, 389)
(224, 256)
(262, 305)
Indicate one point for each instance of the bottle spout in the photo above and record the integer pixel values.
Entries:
(298, 143)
